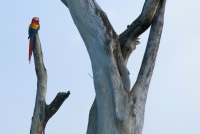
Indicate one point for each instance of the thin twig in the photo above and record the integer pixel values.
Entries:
(90, 75)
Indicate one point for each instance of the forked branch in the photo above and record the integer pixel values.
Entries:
(129, 38)
(148, 63)
(42, 112)
(115, 107)
(52, 108)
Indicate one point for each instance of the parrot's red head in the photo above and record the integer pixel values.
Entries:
(35, 20)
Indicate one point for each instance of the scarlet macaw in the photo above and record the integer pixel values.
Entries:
(33, 29)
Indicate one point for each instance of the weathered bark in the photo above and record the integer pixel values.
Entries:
(42, 111)
(129, 38)
(140, 89)
(116, 109)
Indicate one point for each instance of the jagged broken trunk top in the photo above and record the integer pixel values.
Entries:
(117, 109)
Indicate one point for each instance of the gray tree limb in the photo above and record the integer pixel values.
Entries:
(52, 108)
(149, 58)
(42, 111)
(129, 38)
(103, 47)
(140, 89)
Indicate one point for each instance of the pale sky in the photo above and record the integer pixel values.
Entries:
(173, 104)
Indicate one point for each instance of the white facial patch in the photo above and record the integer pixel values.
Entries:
(36, 18)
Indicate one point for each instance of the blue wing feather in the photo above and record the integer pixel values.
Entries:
(32, 32)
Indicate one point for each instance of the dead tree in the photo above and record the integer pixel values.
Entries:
(42, 111)
(117, 108)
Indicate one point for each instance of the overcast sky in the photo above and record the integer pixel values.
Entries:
(173, 104)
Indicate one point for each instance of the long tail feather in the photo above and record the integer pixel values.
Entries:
(30, 50)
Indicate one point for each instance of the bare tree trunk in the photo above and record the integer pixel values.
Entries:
(43, 112)
(117, 109)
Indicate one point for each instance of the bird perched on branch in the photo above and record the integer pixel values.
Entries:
(32, 31)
